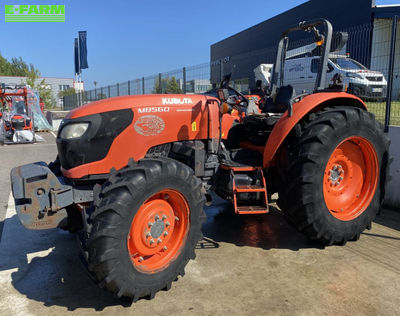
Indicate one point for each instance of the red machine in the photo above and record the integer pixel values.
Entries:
(16, 114)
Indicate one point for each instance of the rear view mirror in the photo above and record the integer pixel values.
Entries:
(223, 94)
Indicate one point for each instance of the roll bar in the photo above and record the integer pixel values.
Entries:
(308, 26)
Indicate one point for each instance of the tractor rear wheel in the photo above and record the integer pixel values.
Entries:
(333, 172)
(145, 227)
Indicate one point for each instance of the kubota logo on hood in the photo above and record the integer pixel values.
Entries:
(176, 101)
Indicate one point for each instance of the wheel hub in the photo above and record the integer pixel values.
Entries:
(336, 175)
(157, 229)
(156, 226)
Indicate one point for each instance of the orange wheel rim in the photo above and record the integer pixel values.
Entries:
(158, 231)
(351, 178)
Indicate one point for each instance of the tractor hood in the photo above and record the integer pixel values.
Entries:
(96, 137)
(152, 103)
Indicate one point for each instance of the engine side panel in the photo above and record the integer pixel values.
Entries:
(301, 109)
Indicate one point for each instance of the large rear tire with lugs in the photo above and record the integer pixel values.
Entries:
(333, 171)
(145, 227)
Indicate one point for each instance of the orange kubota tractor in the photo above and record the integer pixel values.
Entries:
(133, 172)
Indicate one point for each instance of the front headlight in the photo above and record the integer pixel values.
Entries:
(353, 75)
(74, 130)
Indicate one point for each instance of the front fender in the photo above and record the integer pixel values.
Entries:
(307, 105)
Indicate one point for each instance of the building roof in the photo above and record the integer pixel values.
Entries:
(38, 77)
(386, 11)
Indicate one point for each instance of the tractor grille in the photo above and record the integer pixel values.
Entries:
(96, 142)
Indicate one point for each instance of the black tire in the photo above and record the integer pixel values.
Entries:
(119, 201)
(304, 159)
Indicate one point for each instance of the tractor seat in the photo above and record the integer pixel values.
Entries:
(282, 100)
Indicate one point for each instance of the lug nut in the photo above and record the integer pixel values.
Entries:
(150, 224)
(157, 217)
(340, 178)
(341, 171)
(167, 224)
(177, 218)
(165, 248)
(159, 241)
(166, 234)
(164, 217)
(148, 234)
(151, 241)
(339, 166)
(141, 259)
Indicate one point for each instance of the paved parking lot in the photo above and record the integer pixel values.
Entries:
(245, 265)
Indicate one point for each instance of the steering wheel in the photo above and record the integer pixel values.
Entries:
(242, 98)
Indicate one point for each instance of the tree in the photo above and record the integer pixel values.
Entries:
(168, 85)
(173, 86)
(64, 93)
(18, 67)
(42, 87)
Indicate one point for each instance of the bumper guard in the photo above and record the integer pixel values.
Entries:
(40, 197)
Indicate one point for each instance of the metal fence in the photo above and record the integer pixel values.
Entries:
(369, 65)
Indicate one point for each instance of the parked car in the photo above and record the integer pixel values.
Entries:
(301, 73)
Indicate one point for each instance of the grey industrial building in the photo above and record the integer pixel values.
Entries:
(369, 28)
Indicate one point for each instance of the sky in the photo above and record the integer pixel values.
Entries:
(130, 39)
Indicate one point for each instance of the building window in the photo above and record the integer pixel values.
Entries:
(63, 87)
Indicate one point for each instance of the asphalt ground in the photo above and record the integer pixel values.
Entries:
(245, 265)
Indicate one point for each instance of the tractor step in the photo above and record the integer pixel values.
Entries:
(249, 188)
(252, 206)
(251, 210)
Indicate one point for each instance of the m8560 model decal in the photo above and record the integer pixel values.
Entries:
(154, 109)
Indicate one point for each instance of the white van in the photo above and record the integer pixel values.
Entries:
(301, 73)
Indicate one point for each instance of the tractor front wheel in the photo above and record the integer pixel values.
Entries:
(333, 172)
(145, 227)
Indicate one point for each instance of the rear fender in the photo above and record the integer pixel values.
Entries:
(310, 103)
